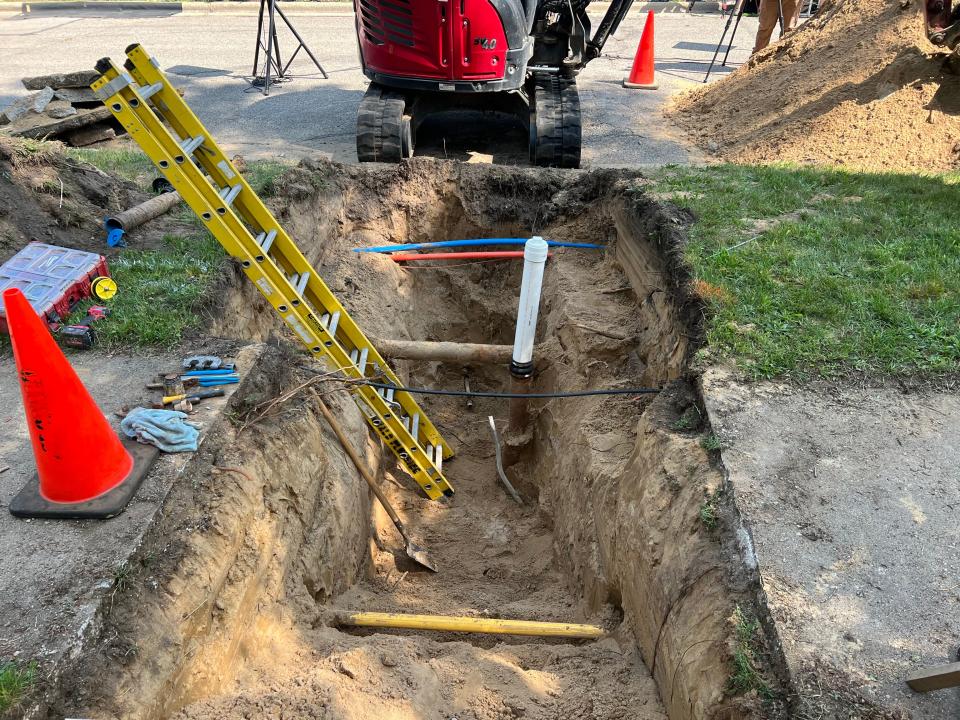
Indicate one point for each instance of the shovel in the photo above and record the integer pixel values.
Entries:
(414, 551)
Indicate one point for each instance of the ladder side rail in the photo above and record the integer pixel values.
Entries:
(145, 128)
(204, 200)
(253, 211)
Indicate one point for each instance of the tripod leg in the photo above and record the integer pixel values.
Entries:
(732, 36)
(256, 53)
(783, 26)
(278, 63)
(719, 45)
(303, 45)
(271, 35)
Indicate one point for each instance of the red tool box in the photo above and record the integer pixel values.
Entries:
(53, 279)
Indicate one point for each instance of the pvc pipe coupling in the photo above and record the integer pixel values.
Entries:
(534, 259)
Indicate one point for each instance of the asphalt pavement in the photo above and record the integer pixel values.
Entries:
(211, 57)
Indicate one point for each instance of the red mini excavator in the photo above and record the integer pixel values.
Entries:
(515, 56)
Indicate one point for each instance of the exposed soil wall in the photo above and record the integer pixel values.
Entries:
(229, 545)
(624, 489)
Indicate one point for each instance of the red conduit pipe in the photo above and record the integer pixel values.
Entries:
(487, 255)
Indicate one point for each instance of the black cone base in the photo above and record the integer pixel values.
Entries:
(29, 503)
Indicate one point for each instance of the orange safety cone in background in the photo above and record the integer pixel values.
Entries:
(642, 74)
(81, 462)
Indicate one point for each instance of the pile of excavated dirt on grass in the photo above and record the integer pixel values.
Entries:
(857, 86)
(50, 197)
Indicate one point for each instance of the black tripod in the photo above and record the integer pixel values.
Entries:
(739, 14)
(271, 48)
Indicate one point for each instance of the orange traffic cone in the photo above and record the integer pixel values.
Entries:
(642, 74)
(84, 470)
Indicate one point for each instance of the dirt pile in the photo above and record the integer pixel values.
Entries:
(50, 197)
(856, 86)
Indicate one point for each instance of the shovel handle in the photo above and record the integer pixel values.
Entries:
(338, 431)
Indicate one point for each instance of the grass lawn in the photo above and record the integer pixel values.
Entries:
(161, 290)
(160, 293)
(15, 681)
(810, 272)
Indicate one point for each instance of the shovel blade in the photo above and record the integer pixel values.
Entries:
(419, 555)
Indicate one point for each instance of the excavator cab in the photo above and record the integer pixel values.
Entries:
(517, 56)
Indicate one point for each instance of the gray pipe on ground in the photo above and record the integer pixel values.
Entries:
(118, 225)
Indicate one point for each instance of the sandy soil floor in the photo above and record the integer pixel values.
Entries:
(496, 560)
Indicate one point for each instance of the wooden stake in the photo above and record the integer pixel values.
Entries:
(936, 678)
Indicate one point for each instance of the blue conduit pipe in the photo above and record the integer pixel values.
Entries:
(470, 243)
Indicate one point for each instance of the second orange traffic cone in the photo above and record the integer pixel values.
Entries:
(83, 469)
(642, 74)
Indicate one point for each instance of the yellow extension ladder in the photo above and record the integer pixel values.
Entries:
(142, 99)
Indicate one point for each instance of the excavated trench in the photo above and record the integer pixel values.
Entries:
(233, 615)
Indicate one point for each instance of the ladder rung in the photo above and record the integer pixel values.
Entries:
(148, 92)
(389, 395)
(406, 422)
(232, 193)
(334, 321)
(438, 457)
(192, 144)
(363, 361)
(268, 241)
(302, 283)
(415, 428)
(354, 354)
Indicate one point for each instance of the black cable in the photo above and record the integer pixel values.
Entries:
(481, 393)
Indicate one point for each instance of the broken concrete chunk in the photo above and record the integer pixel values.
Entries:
(79, 79)
(90, 135)
(34, 102)
(77, 96)
(59, 109)
(47, 128)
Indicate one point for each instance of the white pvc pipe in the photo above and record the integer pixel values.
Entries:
(534, 259)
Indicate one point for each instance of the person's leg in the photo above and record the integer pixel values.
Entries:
(791, 13)
(769, 17)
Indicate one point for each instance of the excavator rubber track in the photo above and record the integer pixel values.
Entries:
(555, 121)
(384, 131)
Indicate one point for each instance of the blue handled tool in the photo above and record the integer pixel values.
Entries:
(212, 382)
